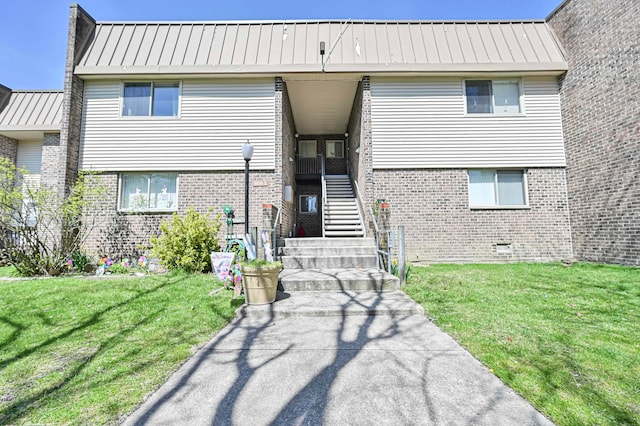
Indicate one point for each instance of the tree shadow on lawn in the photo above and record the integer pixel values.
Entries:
(17, 331)
(573, 318)
(16, 409)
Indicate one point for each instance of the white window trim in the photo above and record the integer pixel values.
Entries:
(300, 203)
(150, 117)
(334, 141)
(493, 101)
(146, 211)
(525, 185)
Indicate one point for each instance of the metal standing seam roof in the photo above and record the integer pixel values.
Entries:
(364, 46)
(32, 110)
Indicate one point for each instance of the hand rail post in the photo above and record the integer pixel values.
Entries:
(360, 208)
(274, 245)
(324, 191)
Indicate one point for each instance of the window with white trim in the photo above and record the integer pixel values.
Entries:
(492, 96)
(145, 99)
(142, 192)
(309, 204)
(335, 149)
(497, 188)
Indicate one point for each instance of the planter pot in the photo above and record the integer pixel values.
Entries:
(260, 283)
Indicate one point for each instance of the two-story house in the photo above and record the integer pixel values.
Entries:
(456, 125)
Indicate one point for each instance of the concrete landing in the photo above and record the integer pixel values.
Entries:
(334, 303)
(267, 368)
(337, 279)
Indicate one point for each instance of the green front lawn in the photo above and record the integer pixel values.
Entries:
(565, 338)
(86, 351)
(7, 271)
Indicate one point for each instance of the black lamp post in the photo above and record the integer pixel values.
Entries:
(247, 153)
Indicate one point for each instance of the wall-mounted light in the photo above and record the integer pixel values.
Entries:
(322, 54)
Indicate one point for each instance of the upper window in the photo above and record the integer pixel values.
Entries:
(492, 96)
(335, 149)
(494, 188)
(141, 192)
(151, 99)
(307, 149)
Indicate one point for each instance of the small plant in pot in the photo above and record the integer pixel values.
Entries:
(260, 281)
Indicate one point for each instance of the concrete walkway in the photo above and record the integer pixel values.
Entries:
(334, 358)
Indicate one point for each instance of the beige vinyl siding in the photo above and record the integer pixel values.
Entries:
(216, 118)
(421, 123)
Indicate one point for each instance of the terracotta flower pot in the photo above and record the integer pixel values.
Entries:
(260, 283)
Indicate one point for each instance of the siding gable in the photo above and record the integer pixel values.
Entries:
(421, 123)
(216, 118)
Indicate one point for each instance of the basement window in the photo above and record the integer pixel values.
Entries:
(497, 189)
(148, 192)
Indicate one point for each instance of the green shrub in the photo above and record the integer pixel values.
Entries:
(118, 268)
(80, 259)
(185, 243)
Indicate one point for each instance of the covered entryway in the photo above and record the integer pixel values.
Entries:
(322, 106)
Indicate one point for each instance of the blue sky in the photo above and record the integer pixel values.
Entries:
(33, 34)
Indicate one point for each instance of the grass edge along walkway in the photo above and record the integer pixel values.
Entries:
(87, 351)
(565, 338)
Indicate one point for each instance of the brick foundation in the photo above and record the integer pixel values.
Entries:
(285, 132)
(127, 235)
(440, 227)
(9, 148)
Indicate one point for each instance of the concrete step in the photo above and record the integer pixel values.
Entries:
(328, 251)
(335, 303)
(336, 177)
(337, 279)
(329, 262)
(334, 242)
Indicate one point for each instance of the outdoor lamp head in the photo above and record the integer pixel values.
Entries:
(322, 48)
(247, 151)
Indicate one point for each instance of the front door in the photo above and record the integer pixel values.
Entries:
(336, 162)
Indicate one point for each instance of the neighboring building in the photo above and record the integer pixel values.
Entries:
(601, 113)
(456, 124)
(30, 123)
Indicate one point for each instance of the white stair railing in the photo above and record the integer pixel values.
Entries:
(324, 192)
